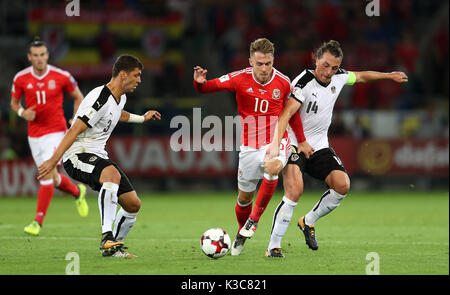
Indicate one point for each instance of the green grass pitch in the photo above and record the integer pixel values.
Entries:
(409, 231)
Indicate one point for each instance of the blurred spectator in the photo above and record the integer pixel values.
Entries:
(409, 35)
(362, 127)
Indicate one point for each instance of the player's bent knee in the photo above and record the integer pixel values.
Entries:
(110, 174)
(130, 202)
(342, 188)
(134, 206)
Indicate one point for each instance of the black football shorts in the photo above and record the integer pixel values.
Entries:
(88, 168)
(319, 165)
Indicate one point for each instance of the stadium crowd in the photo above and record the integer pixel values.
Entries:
(408, 35)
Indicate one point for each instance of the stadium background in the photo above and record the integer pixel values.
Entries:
(389, 136)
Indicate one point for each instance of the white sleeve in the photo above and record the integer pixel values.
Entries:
(91, 110)
(297, 90)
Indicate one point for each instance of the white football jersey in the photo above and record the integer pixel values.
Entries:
(100, 112)
(317, 106)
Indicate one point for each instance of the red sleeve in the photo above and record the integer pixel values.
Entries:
(224, 83)
(70, 83)
(296, 124)
(16, 90)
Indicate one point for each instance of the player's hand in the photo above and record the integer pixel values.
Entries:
(304, 147)
(152, 115)
(46, 168)
(200, 74)
(272, 152)
(399, 77)
(29, 114)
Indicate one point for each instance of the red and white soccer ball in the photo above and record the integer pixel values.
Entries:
(215, 243)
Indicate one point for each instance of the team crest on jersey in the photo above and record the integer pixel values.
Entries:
(333, 89)
(294, 157)
(276, 94)
(51, 84)
(92, 159)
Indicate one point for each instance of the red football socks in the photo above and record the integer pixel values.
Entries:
(266, 190)
(45, 195)
(67, 186)
(242, 213)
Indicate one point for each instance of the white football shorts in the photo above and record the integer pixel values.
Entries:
(42, 148)
(251, 164)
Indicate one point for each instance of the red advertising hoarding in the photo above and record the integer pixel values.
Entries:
(153, 157)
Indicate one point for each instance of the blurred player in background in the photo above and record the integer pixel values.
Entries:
(42, 85)
(314, 95)
(261, 92)
(85, 158)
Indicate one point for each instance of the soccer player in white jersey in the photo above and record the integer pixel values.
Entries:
(86, 160)
(315, 93)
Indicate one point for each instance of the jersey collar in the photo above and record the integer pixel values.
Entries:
(273, 75)
(43, 76)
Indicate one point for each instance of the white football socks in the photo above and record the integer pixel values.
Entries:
(281, 218)
(107, 203)
(329, 201)
(124, 222)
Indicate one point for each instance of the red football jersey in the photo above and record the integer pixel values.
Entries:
(259, 105)
(46, 93)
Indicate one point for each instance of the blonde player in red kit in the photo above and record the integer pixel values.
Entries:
(42, 85)
(261, 92)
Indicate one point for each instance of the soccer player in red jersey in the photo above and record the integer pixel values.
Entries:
(42, 85)
(261, 92)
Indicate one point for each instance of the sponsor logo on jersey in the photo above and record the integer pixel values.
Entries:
(30, 86)
(262, 91)
(276, 94)
(40, 84)
(333, 89)
(51, 84)
(250, 90)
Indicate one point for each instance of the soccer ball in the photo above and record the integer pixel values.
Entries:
(215, 243)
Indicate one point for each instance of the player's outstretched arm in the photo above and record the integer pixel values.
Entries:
(68, 139)
(370, 76)
(132, 118)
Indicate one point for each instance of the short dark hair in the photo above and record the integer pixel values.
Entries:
(37, 42)
(126, 63)
(333, 47)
